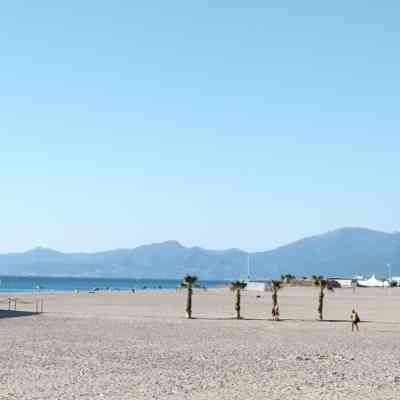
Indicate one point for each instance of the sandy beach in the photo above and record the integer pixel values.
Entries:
(120, 345)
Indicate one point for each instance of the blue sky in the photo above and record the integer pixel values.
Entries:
(220, 124)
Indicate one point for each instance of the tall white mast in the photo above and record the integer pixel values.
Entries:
(248, 266)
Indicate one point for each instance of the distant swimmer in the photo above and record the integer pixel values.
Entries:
(355, 319)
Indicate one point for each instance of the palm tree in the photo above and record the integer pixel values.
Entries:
(237, 286)
(287, 278)
(290, 278)
(188, 281)
(276, 285)
(322, 283)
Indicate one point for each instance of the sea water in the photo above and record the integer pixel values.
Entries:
(46, 284)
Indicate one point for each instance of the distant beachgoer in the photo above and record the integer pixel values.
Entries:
(355, 319)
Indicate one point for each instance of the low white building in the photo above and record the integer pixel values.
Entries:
(343, 282)
(259, 285)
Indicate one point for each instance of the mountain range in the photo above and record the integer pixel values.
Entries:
(343, 252)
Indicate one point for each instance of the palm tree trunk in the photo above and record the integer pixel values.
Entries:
(321, 304)
(237, 305)
(275, 305)
(189, 302)
(275, 298)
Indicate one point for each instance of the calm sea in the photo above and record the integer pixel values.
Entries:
(34, 284)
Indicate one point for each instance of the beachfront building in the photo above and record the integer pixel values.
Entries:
(343, 282)
(396, 279)
(259, 285)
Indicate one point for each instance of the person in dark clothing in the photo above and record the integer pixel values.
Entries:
(355, 319)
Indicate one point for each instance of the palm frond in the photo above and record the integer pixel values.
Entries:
(189, 280)
(323, 283)
(319, 281)
(237, 285)
(276, 285)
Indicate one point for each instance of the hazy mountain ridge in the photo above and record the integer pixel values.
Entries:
(341, 252)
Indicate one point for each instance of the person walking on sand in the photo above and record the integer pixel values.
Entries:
(355, 319)
(277, 313)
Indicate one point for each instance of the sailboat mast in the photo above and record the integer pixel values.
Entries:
(248, 266)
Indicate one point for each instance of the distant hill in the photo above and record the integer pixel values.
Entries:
(342, 252)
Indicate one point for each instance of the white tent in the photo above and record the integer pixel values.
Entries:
(372, 282)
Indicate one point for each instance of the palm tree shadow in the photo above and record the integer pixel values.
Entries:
(15, 314)
(342, 321)
(228, 319)
(347, 321)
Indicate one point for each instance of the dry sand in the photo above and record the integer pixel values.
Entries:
(121, 346)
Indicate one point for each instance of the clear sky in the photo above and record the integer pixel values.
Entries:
(215, 123)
